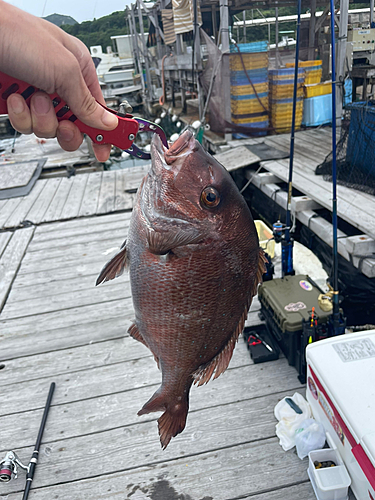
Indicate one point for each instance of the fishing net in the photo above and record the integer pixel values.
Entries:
(355, 150)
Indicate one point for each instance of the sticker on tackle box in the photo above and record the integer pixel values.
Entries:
(355, 350)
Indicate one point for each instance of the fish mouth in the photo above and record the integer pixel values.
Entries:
(163, 158)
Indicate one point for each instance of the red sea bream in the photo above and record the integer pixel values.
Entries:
(195, 263)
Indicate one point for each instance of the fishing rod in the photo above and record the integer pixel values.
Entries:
(335, 300)
(9, 464)
(281, 232)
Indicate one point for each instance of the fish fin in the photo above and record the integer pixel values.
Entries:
(161, 242)
(220, 363)
(134, 332)
(115, 267)
(173, 420)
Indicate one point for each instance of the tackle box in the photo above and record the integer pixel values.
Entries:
(286, 303)
(341, 393)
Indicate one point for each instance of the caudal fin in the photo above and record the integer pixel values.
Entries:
(173, 420)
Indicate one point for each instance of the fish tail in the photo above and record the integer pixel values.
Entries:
(173, 420)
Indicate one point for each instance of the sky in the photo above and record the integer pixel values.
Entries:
(80, 10)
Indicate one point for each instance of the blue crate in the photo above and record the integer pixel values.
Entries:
(317, 111)
(361, 138)
(244, 81)
(248, 96)
(257, 125)
(250, 47)
(287, 82)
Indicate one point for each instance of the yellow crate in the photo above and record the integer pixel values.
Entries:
(286, 130)
(305, 64)
(286, 108)
(316, 89)
(284, 91)
(313, 76)
(241, 121)
(249, 106)
(248, 89)
(251, 61)
(286, 122)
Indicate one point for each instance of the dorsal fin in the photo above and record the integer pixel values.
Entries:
(220, 363)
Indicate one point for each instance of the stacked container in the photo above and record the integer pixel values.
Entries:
(281, 98)
(249, 101)
(313, 70)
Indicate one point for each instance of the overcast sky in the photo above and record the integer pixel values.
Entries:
(80, 10)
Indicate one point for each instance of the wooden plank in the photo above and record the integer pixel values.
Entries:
(348, 200)
(43, 201)
(4, 239)
(106, 201)
(7, 209)
(11, 260)
(243, 382)
(25, 206)
(91, 195)
(123, 200)
(237, 158)
(74, 199)
(57, 204)
(65, 301)
(231, 473)
(119, 410)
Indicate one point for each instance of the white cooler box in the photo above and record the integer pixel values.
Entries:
(341, 392)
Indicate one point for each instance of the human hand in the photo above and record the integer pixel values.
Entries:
(43, 55)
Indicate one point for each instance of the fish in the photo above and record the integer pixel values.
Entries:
(195, 263)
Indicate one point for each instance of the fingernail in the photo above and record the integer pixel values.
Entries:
(108, 119)
(65, 134)
(42, 104)
(17, 104)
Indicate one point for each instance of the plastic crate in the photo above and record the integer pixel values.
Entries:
(305, 64)
(248, 96)
(285, 74)
(285, 92)
(251, 61)
(244, 80)
(250, 47)
(317, 111)
(361, 138)
(249, 106)
(248, 89)
(251, 118)
(313, 76)
(317, 89)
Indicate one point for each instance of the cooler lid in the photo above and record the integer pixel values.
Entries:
(345, 368)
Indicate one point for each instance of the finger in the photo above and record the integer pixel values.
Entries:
(102, 151)
(69, 136)
(19, 114)
(43, 115)
(82, 103)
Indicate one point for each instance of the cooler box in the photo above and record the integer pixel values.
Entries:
(285, 303)
(341, 392)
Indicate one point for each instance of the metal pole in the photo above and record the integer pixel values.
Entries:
(244, 26)
(148, 74)
(371, 12)
(224, 36)
(277, 36)
(336, 311)
(312, 31)
(287, 246)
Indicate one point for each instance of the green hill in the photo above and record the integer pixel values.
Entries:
(60, 20)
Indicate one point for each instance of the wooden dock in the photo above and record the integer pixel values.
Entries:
(56, 326)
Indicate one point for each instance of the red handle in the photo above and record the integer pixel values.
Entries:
(122, 136)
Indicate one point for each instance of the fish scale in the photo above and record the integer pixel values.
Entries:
(194, 261)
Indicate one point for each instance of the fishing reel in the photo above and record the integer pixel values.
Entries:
(8, 467)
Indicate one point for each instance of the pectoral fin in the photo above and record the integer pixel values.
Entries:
(115, 267)
(161, 242)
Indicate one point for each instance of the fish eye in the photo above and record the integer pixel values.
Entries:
(210, 197)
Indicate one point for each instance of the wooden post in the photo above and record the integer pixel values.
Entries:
(148, 74)
(311, 53)
(341, 55)
(224, 36)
